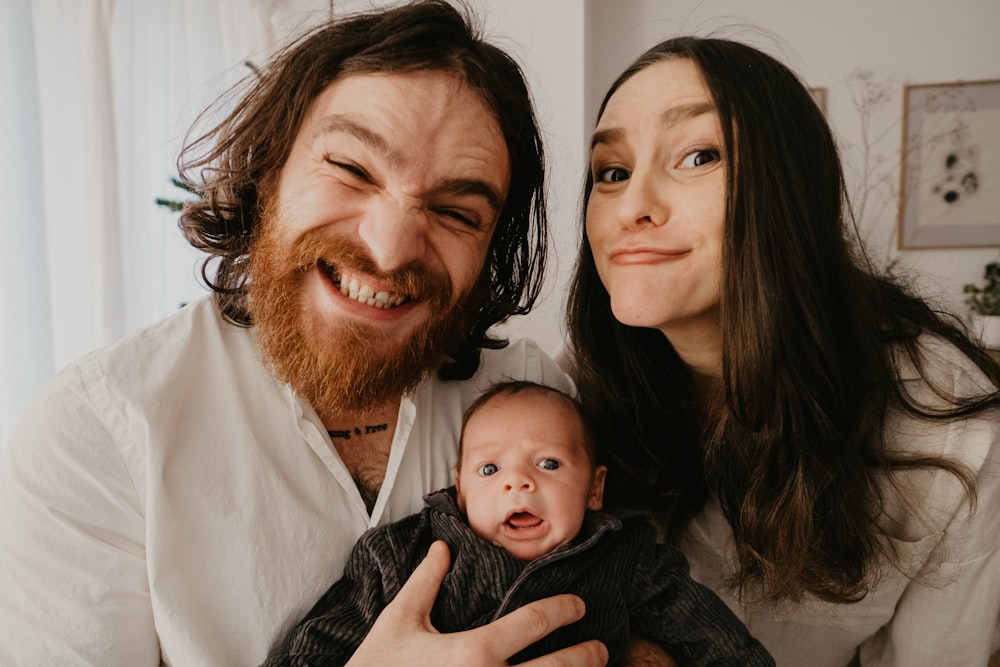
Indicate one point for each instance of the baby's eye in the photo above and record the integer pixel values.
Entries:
(700, 158)
(548, 464)
(611, 175)
(488, 469)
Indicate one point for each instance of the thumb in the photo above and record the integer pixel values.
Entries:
(417, 596)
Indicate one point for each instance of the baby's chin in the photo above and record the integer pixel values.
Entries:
(527, 550)
(527, 554)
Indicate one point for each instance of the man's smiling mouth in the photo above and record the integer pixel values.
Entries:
(353, 288)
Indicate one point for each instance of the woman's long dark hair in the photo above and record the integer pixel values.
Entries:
(810, 331)
(229, 165)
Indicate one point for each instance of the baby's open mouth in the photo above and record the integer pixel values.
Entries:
(353, 288)
(523, 520)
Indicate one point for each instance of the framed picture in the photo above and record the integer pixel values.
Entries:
(949, 195)
(819, 95)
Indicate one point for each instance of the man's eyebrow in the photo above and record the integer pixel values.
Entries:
(378, 143)
(668, 118)
(474, 187)
(338, 123)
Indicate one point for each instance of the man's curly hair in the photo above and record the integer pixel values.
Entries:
(231, 164)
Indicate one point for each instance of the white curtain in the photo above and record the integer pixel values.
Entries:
(97, 98)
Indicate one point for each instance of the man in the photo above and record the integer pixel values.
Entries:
(373, 205)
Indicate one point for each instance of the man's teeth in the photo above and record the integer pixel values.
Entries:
(352, 289)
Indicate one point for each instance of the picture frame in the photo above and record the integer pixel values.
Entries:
(949, 195)
(819, 96)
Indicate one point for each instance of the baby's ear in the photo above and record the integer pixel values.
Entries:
(596, 500)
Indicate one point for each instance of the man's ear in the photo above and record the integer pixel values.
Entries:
(596, 500)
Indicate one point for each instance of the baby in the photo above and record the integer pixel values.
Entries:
(523, 522)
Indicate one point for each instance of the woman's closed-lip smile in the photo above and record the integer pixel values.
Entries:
(645, 255)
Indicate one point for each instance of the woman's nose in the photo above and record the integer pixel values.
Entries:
(644, 200)
(394, 233)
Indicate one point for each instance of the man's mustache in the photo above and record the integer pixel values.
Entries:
(341, 256)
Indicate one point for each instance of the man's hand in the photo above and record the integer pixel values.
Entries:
(403, 634)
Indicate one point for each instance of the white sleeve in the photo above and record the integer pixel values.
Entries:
(72, 553)
(949, 614)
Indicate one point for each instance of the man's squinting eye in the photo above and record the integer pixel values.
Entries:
(700, 158)
(611, 175)
(548, 464)
(459, 216)
(488, 469)
(350, 168)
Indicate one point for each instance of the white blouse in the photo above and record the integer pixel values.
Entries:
(948, 614)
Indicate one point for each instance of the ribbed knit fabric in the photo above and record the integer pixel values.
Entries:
(631, 585)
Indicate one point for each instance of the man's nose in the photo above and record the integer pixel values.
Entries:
(394, 232)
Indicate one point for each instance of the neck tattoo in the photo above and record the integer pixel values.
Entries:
(346, 434)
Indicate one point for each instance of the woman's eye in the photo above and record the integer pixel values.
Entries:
(611, 175)
(548, 464)
(700, 158)
(488, 469)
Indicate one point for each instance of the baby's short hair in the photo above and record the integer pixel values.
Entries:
(509, 387)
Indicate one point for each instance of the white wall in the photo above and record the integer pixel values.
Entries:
(572, 49)
(899, 41)
(547, 37)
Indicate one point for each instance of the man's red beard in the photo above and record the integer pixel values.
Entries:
(344, 366)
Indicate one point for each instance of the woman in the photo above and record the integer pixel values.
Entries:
(822, 443)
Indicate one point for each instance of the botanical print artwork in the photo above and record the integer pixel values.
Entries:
(961, 172)
(950, 194)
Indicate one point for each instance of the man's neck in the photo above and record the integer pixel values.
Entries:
(363, 441)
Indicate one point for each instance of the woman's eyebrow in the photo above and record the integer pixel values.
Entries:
(683, 112)
(668, 118)
(608, 136)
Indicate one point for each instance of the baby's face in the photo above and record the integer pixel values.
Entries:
(525, 480)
